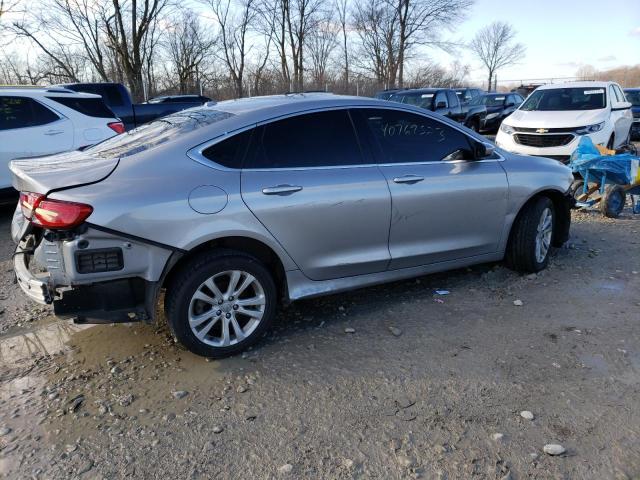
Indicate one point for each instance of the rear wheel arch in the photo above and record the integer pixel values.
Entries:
(233, 245)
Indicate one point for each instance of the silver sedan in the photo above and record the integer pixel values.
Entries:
(232, 207)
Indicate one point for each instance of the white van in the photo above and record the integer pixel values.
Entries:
(553, 118)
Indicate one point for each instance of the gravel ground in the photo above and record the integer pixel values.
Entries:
(425, 386)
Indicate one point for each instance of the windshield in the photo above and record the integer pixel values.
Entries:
(633, 96)
(490, 100)
(418, 99)
(157, 132)
(559, 99)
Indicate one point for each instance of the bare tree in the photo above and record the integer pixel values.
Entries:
(495, 46)
(321, 43)
(234, 25)
(131, 30)
(421, 23)
(187, 45)
(376, 26)
(342, 8)
(391, 31)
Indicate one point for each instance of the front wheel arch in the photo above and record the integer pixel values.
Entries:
(562, 221)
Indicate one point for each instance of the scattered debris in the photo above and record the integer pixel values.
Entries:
(518, 303)
(218, 429)
(349, 330)
(286, 468)
(442, 292)
(527, 415)
(497, 437)
(554, 449)
(180, 394)
(395, 331)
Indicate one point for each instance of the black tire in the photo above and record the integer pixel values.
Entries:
(521, 250)
(190, 279)
(613, 201)
(576, 189)
(612, 141)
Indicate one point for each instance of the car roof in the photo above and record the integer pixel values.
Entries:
(422, 90)
(633, 89)
(551, 86)
(255, 110)
(44, 92)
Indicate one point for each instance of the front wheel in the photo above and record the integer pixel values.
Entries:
(220, 303)
(531, 237)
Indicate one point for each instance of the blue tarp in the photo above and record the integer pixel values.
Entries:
(620, 169)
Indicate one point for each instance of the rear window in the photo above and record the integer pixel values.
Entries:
(92, 107)
(157, 132)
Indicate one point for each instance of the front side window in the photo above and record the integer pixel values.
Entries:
(404, 137)
(22, 112)
(566, 99)
(620, 94)
(321, 139)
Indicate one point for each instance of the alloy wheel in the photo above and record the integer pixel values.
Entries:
(543, 235)
(226, 308)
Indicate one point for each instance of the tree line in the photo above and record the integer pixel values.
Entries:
(236, 48)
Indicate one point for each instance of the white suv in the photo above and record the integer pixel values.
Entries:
(553, 118)
(42, 121)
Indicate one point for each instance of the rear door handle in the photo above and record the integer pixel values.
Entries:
(408, 179)
(281, 189)
(53, 132)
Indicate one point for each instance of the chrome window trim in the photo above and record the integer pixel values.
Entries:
(196, 153)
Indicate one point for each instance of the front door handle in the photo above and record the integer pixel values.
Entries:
(53, 132)
(408, 179)
(281, 189)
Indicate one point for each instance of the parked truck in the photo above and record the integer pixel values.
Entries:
(118, 99)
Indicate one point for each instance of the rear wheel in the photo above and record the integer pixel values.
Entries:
(611, 142)
(531, 237)
(612, 201)
(221, 303)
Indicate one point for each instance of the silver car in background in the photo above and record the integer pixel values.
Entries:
(232, 207)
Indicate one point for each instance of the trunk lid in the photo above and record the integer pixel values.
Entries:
(59, 172)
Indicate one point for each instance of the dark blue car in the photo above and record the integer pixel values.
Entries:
(633, 95)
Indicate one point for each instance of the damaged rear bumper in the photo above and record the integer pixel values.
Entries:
(91, 275)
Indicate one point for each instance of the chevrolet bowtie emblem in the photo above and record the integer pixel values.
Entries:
(542, 130)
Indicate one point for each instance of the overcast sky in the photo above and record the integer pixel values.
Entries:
(560, 35)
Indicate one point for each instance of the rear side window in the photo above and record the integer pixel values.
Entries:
(323, 139)
(92, 107)
(230, 152)
(22, 112)
(405, 137)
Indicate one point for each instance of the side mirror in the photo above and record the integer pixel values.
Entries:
(440, 105)
(621, 106)
(483, 150)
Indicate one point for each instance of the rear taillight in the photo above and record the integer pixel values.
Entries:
(117, 127)
(54, 214)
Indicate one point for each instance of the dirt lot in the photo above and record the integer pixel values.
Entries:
(423, 401)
